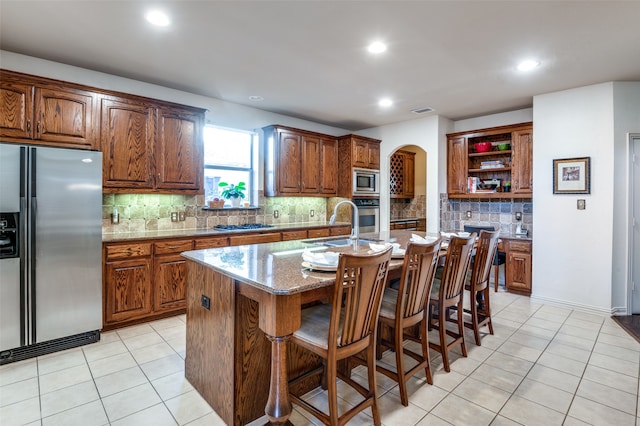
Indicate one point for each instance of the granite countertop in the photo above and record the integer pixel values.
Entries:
(176, 233)
(406, 219)
(277, 267)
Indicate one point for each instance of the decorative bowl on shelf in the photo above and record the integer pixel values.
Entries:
(483, 146)
(504, 146)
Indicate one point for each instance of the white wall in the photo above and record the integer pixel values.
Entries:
(572, 248)
(494, 120)
(422, 132)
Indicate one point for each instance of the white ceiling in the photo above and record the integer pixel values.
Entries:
(308, 59)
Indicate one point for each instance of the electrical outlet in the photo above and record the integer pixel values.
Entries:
(182, 216)
(468, 214)
(174, 216)
(582, 204)
(205, 302)
(312, 213)
(518, 215)
(276, 214)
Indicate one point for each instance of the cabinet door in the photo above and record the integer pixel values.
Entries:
(373, 152)
(288, 163)
(329, 170)
(518, 266)
(457, 165)
(310, 166)
(126, 138)
(128, 289)
(360, 153)
(64, 116)
(170, 281)
(522, 162)
(409, 176)
(16, 110)
(177, 155)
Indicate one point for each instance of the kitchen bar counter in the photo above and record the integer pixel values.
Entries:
(177, 233)
(236, 297)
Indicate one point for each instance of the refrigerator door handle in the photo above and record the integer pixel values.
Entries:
(33, 215)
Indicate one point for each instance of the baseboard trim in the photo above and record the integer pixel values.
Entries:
(578, 306)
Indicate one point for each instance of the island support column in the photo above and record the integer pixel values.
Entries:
(279, 317)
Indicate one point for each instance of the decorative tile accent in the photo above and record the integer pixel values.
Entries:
(499, 213)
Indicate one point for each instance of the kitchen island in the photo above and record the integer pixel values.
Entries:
(243, 304)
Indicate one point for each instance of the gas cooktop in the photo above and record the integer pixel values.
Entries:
(241, 227)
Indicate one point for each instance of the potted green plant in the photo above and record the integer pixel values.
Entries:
(232, 192)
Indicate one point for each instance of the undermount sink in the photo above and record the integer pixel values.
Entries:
(340, 242)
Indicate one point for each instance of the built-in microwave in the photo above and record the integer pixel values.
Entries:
(366, 182)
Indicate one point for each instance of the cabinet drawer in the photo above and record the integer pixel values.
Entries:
(294, 235)
(316, 233)
(521, 246)
(177, 246)
(254, 239)
(205, 243)
(129, 250)
(340, 230)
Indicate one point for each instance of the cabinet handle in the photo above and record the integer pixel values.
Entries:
(38, 129)
(29, 126)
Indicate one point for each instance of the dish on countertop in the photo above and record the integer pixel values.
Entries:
(323, 268)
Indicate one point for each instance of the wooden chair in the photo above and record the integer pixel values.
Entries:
(447, 293)
(407, 307)
(346, 327)
(500, 258)
(486, 248)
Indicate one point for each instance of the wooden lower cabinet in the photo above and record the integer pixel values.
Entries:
(127, 278)
(518, 266)
(146, 280)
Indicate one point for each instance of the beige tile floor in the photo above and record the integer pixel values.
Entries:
(544, 366)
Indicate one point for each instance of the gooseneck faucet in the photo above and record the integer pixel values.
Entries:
(355, 222)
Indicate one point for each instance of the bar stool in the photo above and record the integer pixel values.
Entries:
(343, 329)
(407, 307)
(500, 257)
(486, 248)
(447, 293)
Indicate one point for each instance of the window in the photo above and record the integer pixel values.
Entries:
(228, 157)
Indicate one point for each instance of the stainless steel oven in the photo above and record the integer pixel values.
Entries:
(368, 214)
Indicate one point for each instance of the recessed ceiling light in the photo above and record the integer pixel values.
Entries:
(256, 98)
(377, 47)
(158, 18)
(385, 102)
(528, 65)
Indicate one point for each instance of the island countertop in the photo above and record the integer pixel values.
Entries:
(277, 267)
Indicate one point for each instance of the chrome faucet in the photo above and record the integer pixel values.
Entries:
(355, 221)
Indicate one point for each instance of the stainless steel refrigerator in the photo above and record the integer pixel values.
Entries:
(50, 249)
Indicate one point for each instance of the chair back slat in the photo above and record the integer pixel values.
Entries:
(456, 266)
(418, 271)
(360, 280)
(486, 248)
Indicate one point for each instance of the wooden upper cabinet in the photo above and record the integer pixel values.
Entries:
(44, 112)
(522, 166)
(355, 152)
(178, 150)
(513, 164)
(299, 162)
(150, 146)
(329, 168)
(366, 153)
(402, 174)
(311, 158)
(126, 136)
(457, 165)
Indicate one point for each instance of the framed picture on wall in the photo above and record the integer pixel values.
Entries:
(572, 176)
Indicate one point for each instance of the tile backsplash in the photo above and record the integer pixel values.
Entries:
(151, 212)
(402, 208)
(499, 213)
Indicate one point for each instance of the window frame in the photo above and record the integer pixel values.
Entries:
(251, 169)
